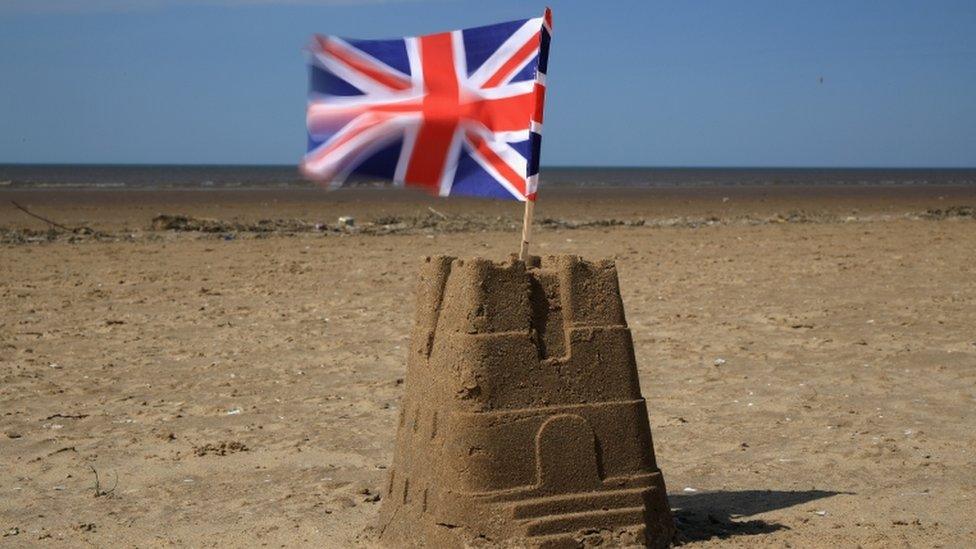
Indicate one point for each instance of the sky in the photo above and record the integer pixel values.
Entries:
(631, 83)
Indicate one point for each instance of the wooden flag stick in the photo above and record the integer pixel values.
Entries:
(526, 230)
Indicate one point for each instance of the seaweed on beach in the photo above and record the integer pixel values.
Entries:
(29, 236)
(185, 223)
(950, 212)
(422, 223)
(429, 222)
(551, 223)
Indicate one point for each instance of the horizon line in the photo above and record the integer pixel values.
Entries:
(542, 169)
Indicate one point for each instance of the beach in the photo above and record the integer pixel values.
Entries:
(230, 362)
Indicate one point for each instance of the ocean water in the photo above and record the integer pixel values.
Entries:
(23, 176)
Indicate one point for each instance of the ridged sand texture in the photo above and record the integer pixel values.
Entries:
(522, 420)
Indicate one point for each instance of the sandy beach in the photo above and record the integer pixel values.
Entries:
(233, 375)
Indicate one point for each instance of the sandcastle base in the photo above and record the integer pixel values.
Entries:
(522, 422)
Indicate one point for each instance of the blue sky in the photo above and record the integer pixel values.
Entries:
(639, 83)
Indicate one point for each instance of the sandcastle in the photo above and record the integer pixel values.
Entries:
(522, 422)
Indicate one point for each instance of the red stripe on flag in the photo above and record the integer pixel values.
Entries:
(389, 80)
(520, 57)
(540, 102)
(440, 112)
(503, 115)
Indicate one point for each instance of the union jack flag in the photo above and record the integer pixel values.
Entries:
(454, 113)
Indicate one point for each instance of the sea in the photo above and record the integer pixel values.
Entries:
(60, 176)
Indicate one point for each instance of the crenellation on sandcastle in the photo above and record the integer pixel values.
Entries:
(522, 417)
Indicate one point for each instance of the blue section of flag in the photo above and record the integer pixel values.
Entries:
(391, 52)
(323, 82)
(524, 148)
(472, 180)
(313, 143)
(536, 147)
(544, 52)
(527, 72)
(382, 164)
(481, 42)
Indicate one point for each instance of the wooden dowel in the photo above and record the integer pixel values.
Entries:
(526, 230)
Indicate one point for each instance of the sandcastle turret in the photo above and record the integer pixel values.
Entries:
(522, 420)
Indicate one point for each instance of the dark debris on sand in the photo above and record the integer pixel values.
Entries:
(220, 449)
(380, 226)
(29, 236)
(430, 223)
(950, 212)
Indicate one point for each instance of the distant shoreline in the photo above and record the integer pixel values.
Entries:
(561, 189)
(161, 177)
(294, 167)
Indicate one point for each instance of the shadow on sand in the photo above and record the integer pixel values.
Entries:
(709, 515)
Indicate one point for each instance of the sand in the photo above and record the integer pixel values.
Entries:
(808, 359)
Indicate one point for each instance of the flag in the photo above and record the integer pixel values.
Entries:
(453, 113)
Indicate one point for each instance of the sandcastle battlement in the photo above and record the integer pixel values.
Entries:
(522, 416)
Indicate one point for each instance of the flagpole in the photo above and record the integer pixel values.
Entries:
(532, 179)
(526, 230)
